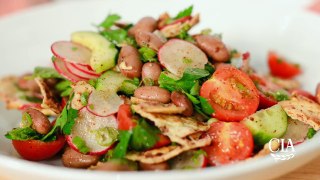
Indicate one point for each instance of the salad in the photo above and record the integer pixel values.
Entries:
(152, 96)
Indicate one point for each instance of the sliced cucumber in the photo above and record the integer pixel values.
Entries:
(103, 52)
(267, 124)
(128, 88)
(110, 81)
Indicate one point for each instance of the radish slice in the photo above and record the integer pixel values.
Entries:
(193, 159)
(86, 127)
(85, 69)
(104, 103)
(176, 55)
(59, 65)
(296, 131)
(78, 73)
(71, 52)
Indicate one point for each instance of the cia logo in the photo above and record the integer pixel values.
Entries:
(285, 150)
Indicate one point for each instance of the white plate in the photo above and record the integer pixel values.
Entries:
(256, 26)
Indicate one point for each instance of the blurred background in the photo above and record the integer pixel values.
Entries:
(11, 6)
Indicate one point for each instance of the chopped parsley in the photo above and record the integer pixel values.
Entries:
(46, 73)
(109, 21)
(84, 98)
(144, 136)
(80, 144)
(311, 133)
(23, 134)
(121, 149)
(147, 54)
(184, 13)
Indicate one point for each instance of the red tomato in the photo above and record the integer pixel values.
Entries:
(124, 117)
(304, 93)
(318, 93)
(231, 93)
(281, 68)
(36, 150)
(231, 141)
(163, 141)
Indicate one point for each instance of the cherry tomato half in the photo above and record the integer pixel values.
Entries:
(282, 68)
(231, 93)
(36, 150)
(231, 141)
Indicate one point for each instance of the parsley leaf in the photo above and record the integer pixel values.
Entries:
(80, 144)
(148, 55)
(121, 149)
(311, 133)
(22, 134)
(184, 13)
(144, 136)
(84, 98)
(280, 95)
(64, 88)
(109, 21)
(64, 122)
(186, 83)
(46, 73)
(119, 37)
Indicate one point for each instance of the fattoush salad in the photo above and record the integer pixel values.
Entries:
(152, 96)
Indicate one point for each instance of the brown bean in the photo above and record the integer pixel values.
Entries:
(149, 40)
(40, 122)
(213, 47)
(114, 165)
(318, 93)
(129, 62)
(181, 100)
(74, 159)
(148, 24)
(151, 71)
(28, 84)
(153, 93)
(154, 167)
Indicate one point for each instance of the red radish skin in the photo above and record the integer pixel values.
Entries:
(78, 73)
(62, 70)
(69, 141)
(85, 69)
(84, 125)
(71, 52)
(103, 104)
(176, 55)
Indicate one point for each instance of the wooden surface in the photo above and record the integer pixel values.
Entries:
(311, 171)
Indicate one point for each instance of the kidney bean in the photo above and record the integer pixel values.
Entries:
(153, 93)
(213, 47)
(74, 159)
(40, 122)
(129, 62)
(148, 24)
(154, 167)
(181, 100)
(151, 71)
(149, 40)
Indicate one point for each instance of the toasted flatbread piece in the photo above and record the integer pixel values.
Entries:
(266, 149)
(162, 108)
(79, 88)
(49, 102)
(9, 93)
(288, 84)
(304, 110)
(165, 153)
(173, 125)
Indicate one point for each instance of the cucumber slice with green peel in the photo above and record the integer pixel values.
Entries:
(267, 124)
(110, 81)
(128, 88)
(103, 53)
